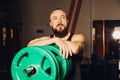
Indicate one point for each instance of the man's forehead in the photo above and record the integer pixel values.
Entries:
(58, 12)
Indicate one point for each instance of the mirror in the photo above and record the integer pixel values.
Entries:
(105, 40)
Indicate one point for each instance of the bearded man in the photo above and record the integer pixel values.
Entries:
(70, 44)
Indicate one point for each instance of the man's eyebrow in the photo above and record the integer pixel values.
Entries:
(54, 16)
(62, 15)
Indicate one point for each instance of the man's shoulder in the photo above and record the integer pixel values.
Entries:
(77, 36)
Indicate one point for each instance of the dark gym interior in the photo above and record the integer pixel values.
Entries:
(99, 66)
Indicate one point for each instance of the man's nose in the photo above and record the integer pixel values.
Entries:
(60, 21)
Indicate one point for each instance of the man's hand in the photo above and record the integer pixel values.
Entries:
(65, 50)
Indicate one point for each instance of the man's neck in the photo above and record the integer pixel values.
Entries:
(65, 37)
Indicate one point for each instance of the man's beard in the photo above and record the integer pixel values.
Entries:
(61, 33)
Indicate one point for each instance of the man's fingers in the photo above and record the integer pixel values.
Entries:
(62, 52)
(65, 51)
(70, 51)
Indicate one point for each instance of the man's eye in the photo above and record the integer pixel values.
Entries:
(54, 18)
(63, 17)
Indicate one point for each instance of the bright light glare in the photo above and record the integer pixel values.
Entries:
(116, 34)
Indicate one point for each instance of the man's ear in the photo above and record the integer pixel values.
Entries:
(50, 23)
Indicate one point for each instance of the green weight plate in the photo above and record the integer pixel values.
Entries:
(43, 65)
(64, 64)
(53, 57)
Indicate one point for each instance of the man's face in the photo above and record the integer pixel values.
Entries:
(58, 22)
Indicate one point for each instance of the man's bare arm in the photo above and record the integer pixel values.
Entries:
(67, 48)
(41, 41)
(77, 43)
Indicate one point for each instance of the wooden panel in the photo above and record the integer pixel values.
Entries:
(99, 38)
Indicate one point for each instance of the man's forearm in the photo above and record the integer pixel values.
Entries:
(41, 42)
(75, 46)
